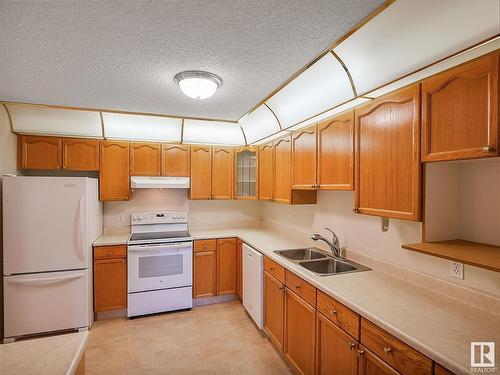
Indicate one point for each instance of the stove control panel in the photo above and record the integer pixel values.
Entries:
(140, 218)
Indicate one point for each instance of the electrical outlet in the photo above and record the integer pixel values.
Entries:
(242, 212)
(457, 270)
(121, 217)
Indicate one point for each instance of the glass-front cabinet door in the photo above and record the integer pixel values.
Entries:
(246, 173)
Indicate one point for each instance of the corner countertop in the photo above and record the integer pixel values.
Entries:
(47, 355)
(110, 239)
(440, 327)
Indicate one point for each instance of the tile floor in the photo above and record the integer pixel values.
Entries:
(213, 339)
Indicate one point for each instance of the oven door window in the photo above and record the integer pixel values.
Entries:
(159, 266)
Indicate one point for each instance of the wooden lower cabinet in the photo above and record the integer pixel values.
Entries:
(274, 309)
(205, 274)
(110, 278)
(440, 370)
(370, 364)
(215, 267)
(226, 266)
(336, 351)
(300, 333)
(239, 269)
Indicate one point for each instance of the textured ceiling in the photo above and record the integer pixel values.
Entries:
(124, 54)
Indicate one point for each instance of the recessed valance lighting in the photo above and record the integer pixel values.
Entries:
(197, 84)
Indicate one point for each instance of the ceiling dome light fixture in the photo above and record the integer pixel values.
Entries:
(197, 84)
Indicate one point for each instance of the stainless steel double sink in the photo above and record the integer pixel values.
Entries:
(320, 262)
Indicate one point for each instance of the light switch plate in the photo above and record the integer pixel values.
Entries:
(457, 270)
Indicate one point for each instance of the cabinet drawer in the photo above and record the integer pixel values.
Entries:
(341, 315)
(205, 245)
(274, 269)
(301, 288)
(106, 252)
(393, 351)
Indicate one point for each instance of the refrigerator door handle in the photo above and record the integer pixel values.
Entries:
(81, 233)
(43, 281)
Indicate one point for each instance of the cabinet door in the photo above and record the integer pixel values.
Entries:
(388, 156)
(205, 274)
(239, 269)
(246, 176)
(145, 159)
(39, 152)
(222, 173)
(304, 159)
(266, 173)
(226, 266)
(300, 333)
(110, 284)
(176, 160)
(370, 364)
(440, 370)
(336, 152)
(336, 351)
(80, 154)
(282, 170)
(274, 310)
(460, 112)
(201, 173)
(114, 176)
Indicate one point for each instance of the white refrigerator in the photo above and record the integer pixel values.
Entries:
(49, 224)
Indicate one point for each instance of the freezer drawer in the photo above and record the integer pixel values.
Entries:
(37, 303)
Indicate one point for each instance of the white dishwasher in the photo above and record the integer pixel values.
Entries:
(253, 268)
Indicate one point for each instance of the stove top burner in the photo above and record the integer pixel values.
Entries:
(159, 237)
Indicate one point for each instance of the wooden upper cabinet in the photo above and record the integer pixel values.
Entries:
(34, 152)
(145, 159)
(336, 152)
(266, 172)
(176, 160)
(388, 171)
(114, 176)
(222, 172)
(460, 112)
(282, 170)
(246, 176)
(226, 266)
(201, 173)
(304, 159)
(80, 154)
(336, 351)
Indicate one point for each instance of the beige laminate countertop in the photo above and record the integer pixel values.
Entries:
(440, 327)
(47, 355)
(110, 239)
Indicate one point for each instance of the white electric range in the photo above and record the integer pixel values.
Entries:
(160, 263)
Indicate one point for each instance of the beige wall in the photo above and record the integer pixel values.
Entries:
(362, 233)
(201, 213)
(8, 163)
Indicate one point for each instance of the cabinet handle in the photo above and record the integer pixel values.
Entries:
(488, 148)
(205, 246)
(313, 186)
(361, 353)
(271, 268)
(333, 312)
(297, 287)
(387, 350)
(352, 345)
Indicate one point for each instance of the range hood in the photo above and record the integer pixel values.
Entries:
(141, 182)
